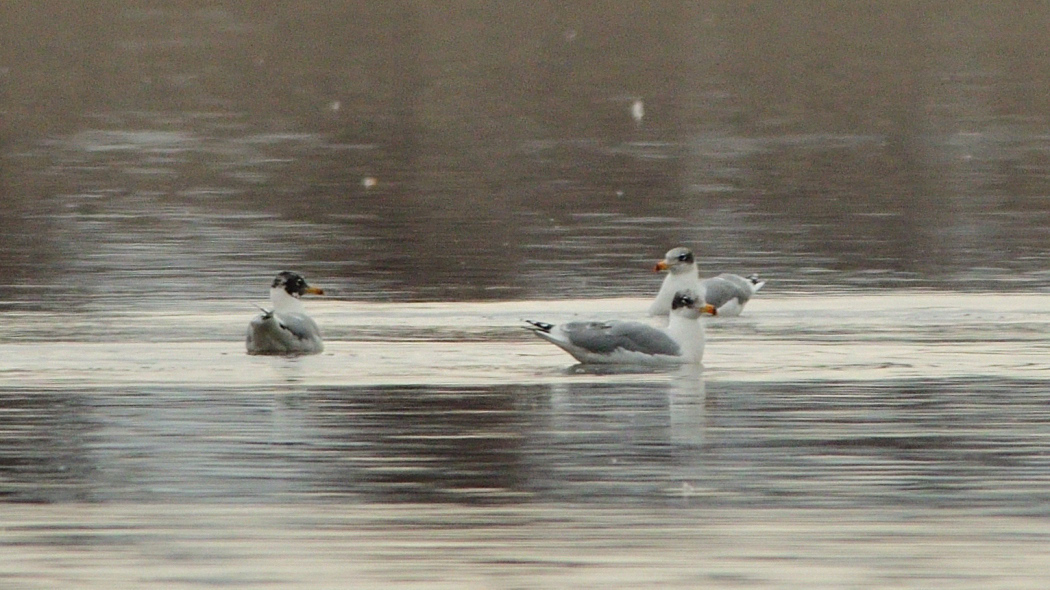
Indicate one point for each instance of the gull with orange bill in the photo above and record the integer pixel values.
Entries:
(728, 293)
(635, 343)
(285, 329)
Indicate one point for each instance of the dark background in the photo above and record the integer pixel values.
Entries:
(181, 149)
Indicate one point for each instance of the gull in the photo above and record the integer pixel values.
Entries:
(634, 343)
(727, 292)
(285, 329)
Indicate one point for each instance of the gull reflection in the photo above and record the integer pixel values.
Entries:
(686, 400)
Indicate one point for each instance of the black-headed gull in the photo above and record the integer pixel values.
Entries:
(285, 329)
(636, 343)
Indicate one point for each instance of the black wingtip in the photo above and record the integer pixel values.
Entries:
(539, 326)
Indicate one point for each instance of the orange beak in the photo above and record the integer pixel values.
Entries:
(315, 291)
(709, 309)
(662, 265)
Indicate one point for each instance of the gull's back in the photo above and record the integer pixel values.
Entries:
(285, 333)
(606, 337)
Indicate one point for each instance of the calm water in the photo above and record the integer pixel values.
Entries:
(877, 418)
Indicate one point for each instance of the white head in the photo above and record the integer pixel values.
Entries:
(681, 274)
(677, 260)
(287, 288)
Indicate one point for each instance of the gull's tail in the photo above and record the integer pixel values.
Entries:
(266, 313)
(539, 326)
(755, 283)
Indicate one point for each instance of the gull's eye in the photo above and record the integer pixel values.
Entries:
(681, 301)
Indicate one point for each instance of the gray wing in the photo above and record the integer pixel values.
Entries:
(737, 280)
(271, 333)
(607, 337)
(721, 289)
(301, 326)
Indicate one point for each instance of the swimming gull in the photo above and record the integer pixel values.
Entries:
(627, 342)
(285, 329)
(727, 292)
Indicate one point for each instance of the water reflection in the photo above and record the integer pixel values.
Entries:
(422, 444)
(920, 443)
(44, 456)
(924, 443)
(390, 444)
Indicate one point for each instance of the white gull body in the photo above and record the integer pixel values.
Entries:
(635, 343)
(285, 329)
(728, 293)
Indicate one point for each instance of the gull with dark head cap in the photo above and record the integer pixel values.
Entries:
(727, 292)
(285, 329)
(635, 343)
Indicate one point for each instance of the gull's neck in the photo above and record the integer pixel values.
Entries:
(285, 303)
(687, 278)
(689, 333)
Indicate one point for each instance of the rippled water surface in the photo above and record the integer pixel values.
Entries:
(876, 418)
(889, 439)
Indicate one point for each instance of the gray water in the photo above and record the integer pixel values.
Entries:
(876, 418)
